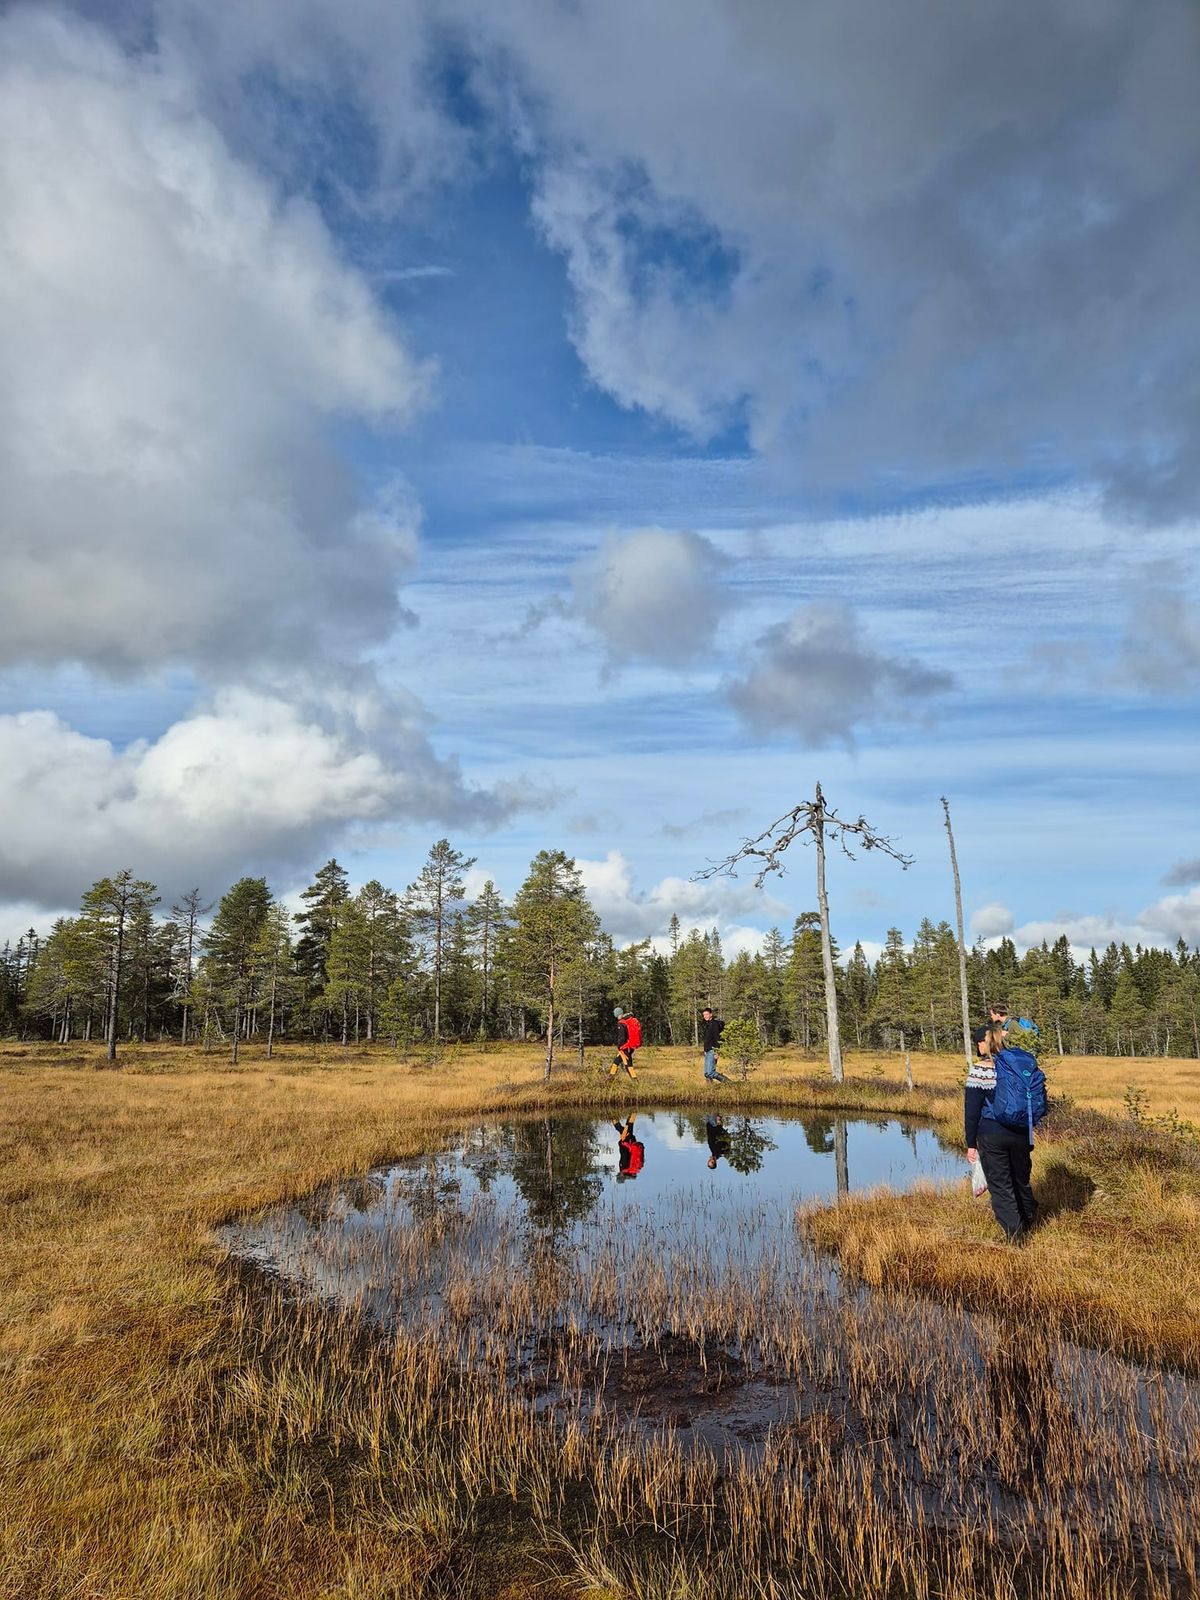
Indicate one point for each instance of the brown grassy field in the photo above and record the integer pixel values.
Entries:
(118, 1330)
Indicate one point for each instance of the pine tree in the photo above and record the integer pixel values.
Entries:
(430, 903)
(1126, 1014)
(272, 957)
(689, 985)
(858, 990)
(108, 907)
(347, 965)
(387, 946)
(552, 923)
(188, 914)
(487, 918)
(231, 949)
(774, 956)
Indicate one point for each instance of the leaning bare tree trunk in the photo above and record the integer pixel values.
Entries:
(831, 1011)
(962, 947)
(550, 1024)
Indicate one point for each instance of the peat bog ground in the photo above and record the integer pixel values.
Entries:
(694, 1397)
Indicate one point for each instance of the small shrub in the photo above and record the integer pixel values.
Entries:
(742, 1047)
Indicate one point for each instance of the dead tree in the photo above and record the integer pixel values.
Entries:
(962, 945)
(814, 819)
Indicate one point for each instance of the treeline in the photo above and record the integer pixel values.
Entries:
(429, 964)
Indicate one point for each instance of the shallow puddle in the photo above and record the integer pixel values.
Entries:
(566, 1223)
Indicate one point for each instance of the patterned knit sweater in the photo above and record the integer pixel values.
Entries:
(980, 1086)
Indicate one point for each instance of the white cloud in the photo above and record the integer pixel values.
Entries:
(992, 921)
(177, 339)
(18, 916)
(653, 595)
(1176, 916)
(817, 677)
(934, 239)
(873, 193)
(377, 56)
(629, 914)
(253, 784)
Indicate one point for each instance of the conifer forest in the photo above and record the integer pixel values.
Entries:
(428, 963)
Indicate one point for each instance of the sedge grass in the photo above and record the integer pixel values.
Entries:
(164, 1434)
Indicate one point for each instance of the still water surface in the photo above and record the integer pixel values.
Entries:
(683, 1297)
(729, 1183)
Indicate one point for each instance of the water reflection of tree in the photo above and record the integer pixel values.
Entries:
(818, 1135)
(484, 1153)
(747, 1145)
(554, 1168)
(826, 1136)
(430, 1190)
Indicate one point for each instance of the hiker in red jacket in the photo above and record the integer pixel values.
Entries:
(631, 1152)
(629, 1038)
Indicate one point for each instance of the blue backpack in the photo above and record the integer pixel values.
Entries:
(1019, 1101)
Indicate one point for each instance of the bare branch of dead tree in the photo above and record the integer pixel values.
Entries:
(812, 822)
(802, 823)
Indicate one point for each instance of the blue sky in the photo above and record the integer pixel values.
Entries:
(571, 427)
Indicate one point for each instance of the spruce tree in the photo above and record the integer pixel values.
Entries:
(323, 902)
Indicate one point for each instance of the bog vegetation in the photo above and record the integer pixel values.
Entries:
(173, 1427)
(427, 964)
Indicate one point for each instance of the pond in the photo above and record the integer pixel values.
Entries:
(568, 1222)
(572, 1183)
(678, 1307)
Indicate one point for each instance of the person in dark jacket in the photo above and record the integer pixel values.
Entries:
(718, 1140)
(1003, 1153)
(710, 1040)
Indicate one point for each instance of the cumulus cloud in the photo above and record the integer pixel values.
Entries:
(992, 921)
(178, 340)
(817, 677)
(655, 594)
(253, 783)
(1183, 874)
(629, 914)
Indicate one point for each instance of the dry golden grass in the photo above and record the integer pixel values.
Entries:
(1168, 1082)
(115, 1315)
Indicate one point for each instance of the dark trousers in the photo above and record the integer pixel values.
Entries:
(1007, 1161)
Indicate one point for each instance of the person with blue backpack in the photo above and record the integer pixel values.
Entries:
(1003, 1102)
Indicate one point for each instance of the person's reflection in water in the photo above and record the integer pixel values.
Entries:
(718, 1140)
(631, 1151)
